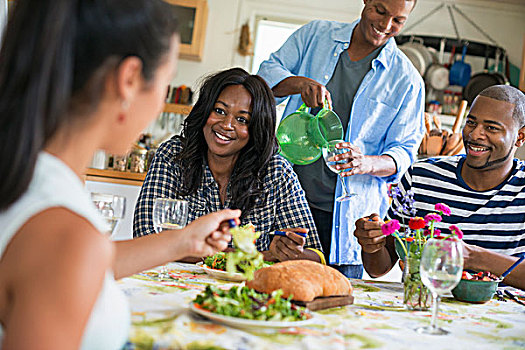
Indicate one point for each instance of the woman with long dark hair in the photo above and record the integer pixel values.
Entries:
(227, 158)
(77, 76)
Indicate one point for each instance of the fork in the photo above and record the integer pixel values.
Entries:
(513, 297)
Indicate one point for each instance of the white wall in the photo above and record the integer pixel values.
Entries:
(503, 22)
(222, 32)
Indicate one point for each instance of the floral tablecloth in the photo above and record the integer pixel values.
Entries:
(161, 319)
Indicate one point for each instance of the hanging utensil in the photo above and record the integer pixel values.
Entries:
(415, 57)
(451, 58)
(437, 75)
(460, 70)
(480, 81)
(501, 75)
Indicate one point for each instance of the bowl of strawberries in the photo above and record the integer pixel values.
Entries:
(476, 287)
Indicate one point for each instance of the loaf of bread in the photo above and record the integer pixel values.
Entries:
(304, 279)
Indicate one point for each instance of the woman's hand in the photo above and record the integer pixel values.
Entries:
(288, 247)
(208, 234)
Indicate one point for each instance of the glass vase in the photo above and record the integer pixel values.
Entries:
(416, 295)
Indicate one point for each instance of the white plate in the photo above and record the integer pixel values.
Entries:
(246, 323)
(222, 275)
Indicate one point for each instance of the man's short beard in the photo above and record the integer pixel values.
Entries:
(491, 163)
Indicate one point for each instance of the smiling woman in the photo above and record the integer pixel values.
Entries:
(226, 130)
(227, 158)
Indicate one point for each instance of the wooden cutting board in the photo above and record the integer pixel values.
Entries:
(321, 303)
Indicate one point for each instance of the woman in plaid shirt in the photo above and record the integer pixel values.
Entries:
(227, 157)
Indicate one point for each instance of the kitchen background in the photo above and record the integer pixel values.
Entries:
(243, 33)
(269, 23)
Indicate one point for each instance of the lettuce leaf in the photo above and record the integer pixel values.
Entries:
(245, 259)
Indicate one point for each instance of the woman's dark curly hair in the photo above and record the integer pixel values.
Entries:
(246, 182)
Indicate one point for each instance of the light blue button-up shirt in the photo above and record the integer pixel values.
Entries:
(386, 117)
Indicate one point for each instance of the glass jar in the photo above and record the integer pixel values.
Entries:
(138, 160)
(120, 162)
(416, 295)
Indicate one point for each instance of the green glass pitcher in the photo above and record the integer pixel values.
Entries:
(302, 135)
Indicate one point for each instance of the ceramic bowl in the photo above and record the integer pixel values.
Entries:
(473, 291)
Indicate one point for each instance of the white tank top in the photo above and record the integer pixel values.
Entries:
(54, 184)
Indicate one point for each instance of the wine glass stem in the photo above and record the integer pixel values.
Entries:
(436, 298)
(343, 185)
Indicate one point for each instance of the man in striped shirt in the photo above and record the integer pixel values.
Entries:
(485, 190)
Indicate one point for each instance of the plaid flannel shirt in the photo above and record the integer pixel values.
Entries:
(284, 204)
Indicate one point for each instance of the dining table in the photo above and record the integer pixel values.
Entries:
(162, 318)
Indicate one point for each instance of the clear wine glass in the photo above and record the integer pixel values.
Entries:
(111, 207)
(169, 214)
(329, 152)
(441, 268)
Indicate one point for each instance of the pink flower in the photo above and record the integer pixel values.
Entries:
(443, 209)
(390, 227)
(416, 223)
(456, 231)
(432, 217)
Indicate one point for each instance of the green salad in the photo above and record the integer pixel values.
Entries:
(245, 259)
(247, 303)
(218, 262)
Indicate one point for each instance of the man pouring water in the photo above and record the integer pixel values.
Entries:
(379, 97)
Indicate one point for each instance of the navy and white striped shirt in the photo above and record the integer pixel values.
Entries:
(493, 219)
(284, 205)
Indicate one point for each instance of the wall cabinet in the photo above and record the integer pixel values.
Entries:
(192, 16)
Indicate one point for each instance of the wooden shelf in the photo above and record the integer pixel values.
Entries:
(129, 178)
(177, 108)
(113, 174)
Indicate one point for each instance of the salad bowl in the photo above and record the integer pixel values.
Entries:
(477, 291)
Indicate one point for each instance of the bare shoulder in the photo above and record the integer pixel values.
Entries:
(53, 270)
(60, 240)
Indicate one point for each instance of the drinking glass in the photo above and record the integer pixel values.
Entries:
(111, 207)
(441, 268)
(169, 214)
(329, 152)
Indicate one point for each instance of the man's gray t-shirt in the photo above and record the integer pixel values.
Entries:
(316, 179)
